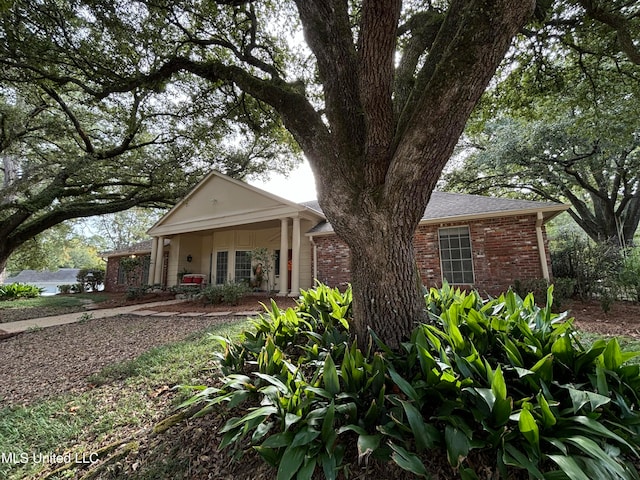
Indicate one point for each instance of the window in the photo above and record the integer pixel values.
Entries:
(455, 255)
(222, 267)
(243, 266)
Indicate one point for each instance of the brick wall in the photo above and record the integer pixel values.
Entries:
(504, 250)
(113, 267)
(111, 276)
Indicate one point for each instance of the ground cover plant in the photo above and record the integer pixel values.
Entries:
(500, 386)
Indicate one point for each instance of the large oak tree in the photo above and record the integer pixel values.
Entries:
(65, 155)
(378, 113)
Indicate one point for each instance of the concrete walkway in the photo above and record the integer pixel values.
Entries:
(13, 328)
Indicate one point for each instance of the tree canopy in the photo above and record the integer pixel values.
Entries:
(377, 100)
(564, 125)
(67, 154)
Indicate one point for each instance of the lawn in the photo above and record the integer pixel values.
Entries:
(24, 309)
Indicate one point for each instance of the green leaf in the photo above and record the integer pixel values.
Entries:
(278, 440)
(593, 449)
(514, 457)
(304, 437)
(502, 410)
(405, 386)
(544, 368)
(569, 466)
(612, 355)
(327, 423)
(528, 427)
(270, 455)
(548, 418)
(408, 461)
(367, 444)
(426, 435)
(307, 469)
(579, 398)
(290, 462)
(498, 385)
(330, 376)
(593, 426)
(276, 382)
(262, 412)
(458, 445)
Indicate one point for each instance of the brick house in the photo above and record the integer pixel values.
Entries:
(130, 266)
(472, 241)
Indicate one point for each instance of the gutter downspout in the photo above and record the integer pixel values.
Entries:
(541, 250)
(315, 259)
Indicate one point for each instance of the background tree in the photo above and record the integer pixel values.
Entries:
(67, 155)
(377, 105)
(564, 127)
(57, 247)
(121, 229)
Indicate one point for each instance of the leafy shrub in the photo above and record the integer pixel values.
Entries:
(629, 276)
(536, 286)
(563, 288)
(593, 266)
(229, 293)
(14, 291)
(65, 289)
(90, 278)
(501, 380)
(134, 293)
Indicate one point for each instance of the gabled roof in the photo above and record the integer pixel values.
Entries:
(447, 207)
(219, 201)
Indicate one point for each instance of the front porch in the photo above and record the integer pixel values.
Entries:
(225, 255)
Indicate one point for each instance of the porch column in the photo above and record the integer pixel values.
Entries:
(157, 278)
(152, 261)
(295, 258)
(284, 254)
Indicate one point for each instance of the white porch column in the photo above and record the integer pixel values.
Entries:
(284, 254)
(157, 279)
(152, 261)
(295, 258)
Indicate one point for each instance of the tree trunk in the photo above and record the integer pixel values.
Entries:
(387, 297)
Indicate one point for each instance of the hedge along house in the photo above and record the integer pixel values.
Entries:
(472, 241)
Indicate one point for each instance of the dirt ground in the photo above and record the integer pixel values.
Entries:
(622, 320)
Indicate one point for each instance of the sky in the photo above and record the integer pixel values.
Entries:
(298, 186)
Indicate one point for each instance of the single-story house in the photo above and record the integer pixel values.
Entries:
(469, 240)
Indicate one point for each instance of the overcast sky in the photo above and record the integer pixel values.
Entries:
(298, 187)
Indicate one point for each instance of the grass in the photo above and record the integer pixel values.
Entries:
(27, 308)
(54, 301)
(128, 396)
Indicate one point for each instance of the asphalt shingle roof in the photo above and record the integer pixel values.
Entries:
(445, 205)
